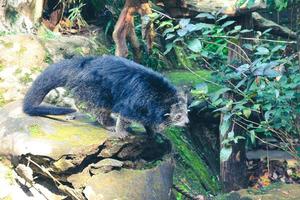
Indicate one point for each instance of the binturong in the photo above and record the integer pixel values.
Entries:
(114, 84)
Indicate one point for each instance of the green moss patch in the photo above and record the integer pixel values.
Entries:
(2, 100)
(188, 78)
(73, 134)
(275, 191)
(191, 172)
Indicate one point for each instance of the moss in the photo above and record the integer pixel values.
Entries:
(187, 78)
(26, 79)
(9, 176)
(182, 57)
(191, 172)
(1, 67)
(36, 131)
(7, 45)
(2, 100)
(48, 58)
(7, 198)
(18, 71)
(275, 191)
(45, 34)
(72, 133)
(36, 69)
(22, 50)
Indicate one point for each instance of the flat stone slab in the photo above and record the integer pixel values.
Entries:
(78, 157)
(52, 137)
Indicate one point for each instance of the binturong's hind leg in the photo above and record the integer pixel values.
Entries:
(121, 126)
(151, 130)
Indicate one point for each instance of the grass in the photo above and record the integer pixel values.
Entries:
(180, 78)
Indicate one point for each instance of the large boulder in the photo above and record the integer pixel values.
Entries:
(75, 157)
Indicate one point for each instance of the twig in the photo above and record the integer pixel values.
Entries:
(253, 39)
(238, 53)
(201, 77)
(263, 141)
(163, 14)
(69, 191)
(248, 59)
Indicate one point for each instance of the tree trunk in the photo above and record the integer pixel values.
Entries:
(298, 49)
(233, 170)
(184, 8)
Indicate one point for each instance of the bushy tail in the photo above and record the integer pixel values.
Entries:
(48, 80)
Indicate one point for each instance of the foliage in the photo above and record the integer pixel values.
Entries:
(263, 80)
(278, 4)
(272, 4)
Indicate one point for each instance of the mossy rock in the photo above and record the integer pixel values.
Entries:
(192, 174)
(84, 155)
(52, 137)
(274, 191)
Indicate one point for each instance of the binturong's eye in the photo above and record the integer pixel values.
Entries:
(177, 117)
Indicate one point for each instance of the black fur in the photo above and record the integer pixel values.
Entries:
(114, 83)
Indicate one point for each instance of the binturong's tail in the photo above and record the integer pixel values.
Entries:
(48, 80)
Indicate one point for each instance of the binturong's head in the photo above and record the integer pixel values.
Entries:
(178, 115)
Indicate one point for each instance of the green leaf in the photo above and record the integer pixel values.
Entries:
(262, 51)
(168, 30)
(205, 15)
(238, 28)
(231, 135)
(250, 3)
(246, 31)
(225, 125)
(182, 32)
(227, 23)
(248, 46)
(184, 22)
(225, 153)
(169, 47)
(195, 103)
(266, 31)
(202, 87)
(278, 47)
(169, 36)
(194, 45)
(200, 26)
(216, 95)
(247, 112)
(252, 136)
(240, 2)
(222, 18)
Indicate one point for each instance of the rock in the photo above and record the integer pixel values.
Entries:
(69, 153)
(42, 136)
(10, 186)
(63, 47)
(21, 59)
(273, 192)
(147, 184)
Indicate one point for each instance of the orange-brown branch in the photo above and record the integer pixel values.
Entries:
(125, 28)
